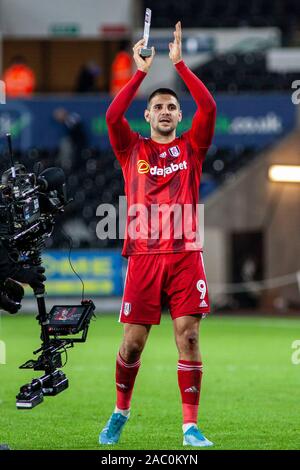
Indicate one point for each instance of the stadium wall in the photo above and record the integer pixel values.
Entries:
(35, 18)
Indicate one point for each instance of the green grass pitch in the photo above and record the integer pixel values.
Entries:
(250, 392)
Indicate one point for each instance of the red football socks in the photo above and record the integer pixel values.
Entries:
(125, 378)
(189, 381)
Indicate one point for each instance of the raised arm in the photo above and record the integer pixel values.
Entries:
(203, 124)
(120, 133)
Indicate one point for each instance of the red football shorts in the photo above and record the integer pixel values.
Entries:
(174, 280)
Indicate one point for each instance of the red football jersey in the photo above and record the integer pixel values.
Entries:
(162, 180)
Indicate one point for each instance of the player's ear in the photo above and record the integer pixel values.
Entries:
(180, 116)
(147, 115)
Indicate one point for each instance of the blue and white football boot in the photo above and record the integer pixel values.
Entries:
(111, 433)
(194, 437)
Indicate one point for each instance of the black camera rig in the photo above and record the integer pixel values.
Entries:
(62, 320)
(29, 204)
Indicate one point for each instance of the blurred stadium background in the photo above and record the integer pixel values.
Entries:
(248, 54)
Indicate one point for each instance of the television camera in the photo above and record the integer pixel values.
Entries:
(29, 204)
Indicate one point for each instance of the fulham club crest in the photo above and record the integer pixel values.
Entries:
(174, 151)
(126, 308)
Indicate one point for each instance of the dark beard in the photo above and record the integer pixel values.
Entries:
(166, 132)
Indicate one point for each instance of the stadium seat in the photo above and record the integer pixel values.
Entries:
(221, 13)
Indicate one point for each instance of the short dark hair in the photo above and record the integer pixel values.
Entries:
(162, 91)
